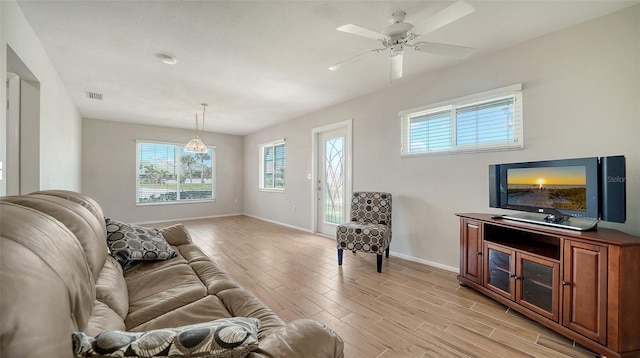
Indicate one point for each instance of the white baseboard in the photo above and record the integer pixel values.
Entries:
(278, 223)
(185, 219)
(426, 262)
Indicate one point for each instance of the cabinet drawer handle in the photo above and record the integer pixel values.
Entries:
(565, 283)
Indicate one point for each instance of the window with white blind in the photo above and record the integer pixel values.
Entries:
(165, 173)
(272, 165)
(489, 120)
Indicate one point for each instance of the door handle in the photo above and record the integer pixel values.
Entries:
(565, 283)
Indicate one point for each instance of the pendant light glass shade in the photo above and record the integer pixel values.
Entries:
(196, 145)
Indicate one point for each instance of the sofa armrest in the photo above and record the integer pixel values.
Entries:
(300, 338)
(176, 235)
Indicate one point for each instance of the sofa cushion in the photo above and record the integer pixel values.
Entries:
(151, 266)
(176, 235)
(103, 318)
(87, 229)
(47, 286)
(242, 303)
(130, 244)
(229, 337)
(111, 288)
(192, 253)
(212, 276)
(79, 198)
(160, 291)
(206, 309)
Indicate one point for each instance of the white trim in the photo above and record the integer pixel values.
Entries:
(179, 145)
(426, 262)
(261, 147)
(281, 191)
(465, 100)
(185, 219)
(315, 133)
(278, 223)
(273, 142)
(177, 202)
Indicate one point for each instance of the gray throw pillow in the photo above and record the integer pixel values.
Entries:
(132, 244)
(228, 337)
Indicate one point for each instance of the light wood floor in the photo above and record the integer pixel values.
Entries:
(408, 310)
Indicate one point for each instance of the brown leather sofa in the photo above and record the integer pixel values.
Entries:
(57, 278)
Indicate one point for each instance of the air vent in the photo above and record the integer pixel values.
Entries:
(94, 95)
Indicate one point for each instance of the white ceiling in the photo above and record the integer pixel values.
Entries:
(257, 63)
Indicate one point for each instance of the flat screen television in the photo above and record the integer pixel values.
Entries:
(559, 188)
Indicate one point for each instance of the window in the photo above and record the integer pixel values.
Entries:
(490, 120)
(167, 174)
(272, 165)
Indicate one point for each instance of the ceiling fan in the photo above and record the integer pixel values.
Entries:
(400, 35)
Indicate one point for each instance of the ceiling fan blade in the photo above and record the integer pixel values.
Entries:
(444, 49)
(361, 31)
(396, 66)
(340, 64)
(458, 10)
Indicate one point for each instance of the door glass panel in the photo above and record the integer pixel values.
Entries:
(333, 180)
(499, 270)
(537, 285)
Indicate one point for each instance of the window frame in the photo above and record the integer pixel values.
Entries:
(495, 95)
(178, 156)
(261, 164)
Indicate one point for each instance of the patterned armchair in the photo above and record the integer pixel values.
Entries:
(370, 226)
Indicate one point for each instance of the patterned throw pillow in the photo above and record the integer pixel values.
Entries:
(228, 337)
(131, 244)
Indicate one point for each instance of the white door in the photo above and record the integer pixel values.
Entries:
(332, 179)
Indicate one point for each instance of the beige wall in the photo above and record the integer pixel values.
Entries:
(59, 124)
(109, 171)
(581, 94)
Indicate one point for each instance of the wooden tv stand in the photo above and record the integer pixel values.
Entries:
(584, 285)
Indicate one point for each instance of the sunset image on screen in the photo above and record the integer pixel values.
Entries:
(552, 187)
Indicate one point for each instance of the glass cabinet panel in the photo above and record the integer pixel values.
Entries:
(537, 285)
(499, 270)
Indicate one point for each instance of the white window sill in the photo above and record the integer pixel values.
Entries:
(177, 202)
(272, 190)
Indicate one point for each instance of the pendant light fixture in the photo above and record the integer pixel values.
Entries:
(195, 145)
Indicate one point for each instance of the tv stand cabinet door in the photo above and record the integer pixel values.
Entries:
(471, 250)
(537, 285)
(500, 270)
(585, 289)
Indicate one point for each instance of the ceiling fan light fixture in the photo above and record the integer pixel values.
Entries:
(397, 50)
(400, 34)
(397, 17)
(395, 66)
